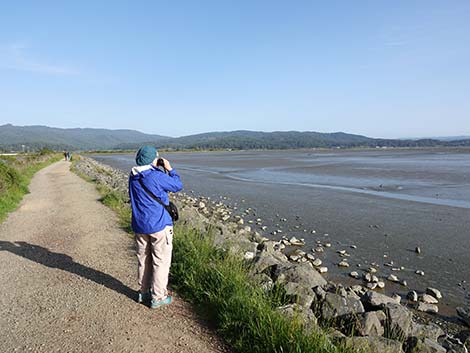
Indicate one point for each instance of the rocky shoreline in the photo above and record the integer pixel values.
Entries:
(363, 317)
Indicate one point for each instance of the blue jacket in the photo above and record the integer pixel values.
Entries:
(148, 216)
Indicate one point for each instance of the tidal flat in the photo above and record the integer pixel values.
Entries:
(378, 205)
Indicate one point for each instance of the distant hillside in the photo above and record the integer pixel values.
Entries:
(287, 140)
(36, 137)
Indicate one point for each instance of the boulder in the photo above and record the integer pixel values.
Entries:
(424, 345)
(464, 337)
(434, 292)
(398, 320)
(264, 281)
(428, 299)
(454, 345)
(299, 294)
(373, 344)
(377, 300)
(301, 273)
(412, 296)
(267, 263)
(336, 306)
(427, 308)
(306, 316)
(370, 325)
(430, 331)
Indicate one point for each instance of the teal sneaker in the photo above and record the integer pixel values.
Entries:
(158, 303)
(143, 297)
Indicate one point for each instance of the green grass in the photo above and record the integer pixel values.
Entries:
(219, 285)
(15, 175)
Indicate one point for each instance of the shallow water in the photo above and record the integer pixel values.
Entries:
(386, 202)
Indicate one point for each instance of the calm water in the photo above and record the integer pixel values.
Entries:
(385, 202)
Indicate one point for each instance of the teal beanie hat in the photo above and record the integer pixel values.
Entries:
(145, 155)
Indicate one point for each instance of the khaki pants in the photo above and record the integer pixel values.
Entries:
(154, 258)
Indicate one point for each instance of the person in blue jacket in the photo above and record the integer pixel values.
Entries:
(152, 224)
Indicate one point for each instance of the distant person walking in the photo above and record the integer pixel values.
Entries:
(65, 155)
(152, 224)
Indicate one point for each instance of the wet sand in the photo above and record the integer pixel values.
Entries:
(384, 202)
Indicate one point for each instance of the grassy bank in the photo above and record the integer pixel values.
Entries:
(219, 284)
(15, 175)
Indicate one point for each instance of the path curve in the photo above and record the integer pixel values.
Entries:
(68, 279)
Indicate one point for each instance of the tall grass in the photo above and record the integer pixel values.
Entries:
(219, 285)
(16, 173)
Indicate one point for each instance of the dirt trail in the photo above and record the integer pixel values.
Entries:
(67, 279)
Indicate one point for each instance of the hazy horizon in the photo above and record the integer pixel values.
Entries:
(388, 70)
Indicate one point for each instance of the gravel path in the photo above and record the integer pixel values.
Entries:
(67, 279)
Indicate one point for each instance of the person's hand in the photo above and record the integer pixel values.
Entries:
(166, 164)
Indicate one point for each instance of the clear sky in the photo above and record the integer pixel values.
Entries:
(379, 68)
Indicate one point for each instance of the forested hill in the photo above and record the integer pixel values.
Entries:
(37, 137)
(13, 138)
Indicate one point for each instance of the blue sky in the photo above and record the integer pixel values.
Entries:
(378, 68)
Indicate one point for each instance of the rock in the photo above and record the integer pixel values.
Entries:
(430, 331)
(418, 250)
(310, 257)
(424, 345)
(393, 278)
(396, 297)
(317, 262)
(379, 300)
(464, 337)
(241, 221)
(381, 284)
(296, 242)
(368, 277)
(370, 325)
(249, 255)
(319, 249)
(371, 285)
(428, 299)
(327, 245)
(320, 292)
(335, 306)
(419, 272)
(267, 263)
(294, 257)
(427, 308)
(454, 345)
(359, 290)
(412, 296)
(354, 274)
(398, 320)
(434, 292)
(343, 264)
(373, 344)
(264, 281)
(322, 269)
(306, 315)
(302, 273)
(299, 294)
(464, 314)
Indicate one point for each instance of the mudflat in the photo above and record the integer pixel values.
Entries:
(384, 202)
(68, 279)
